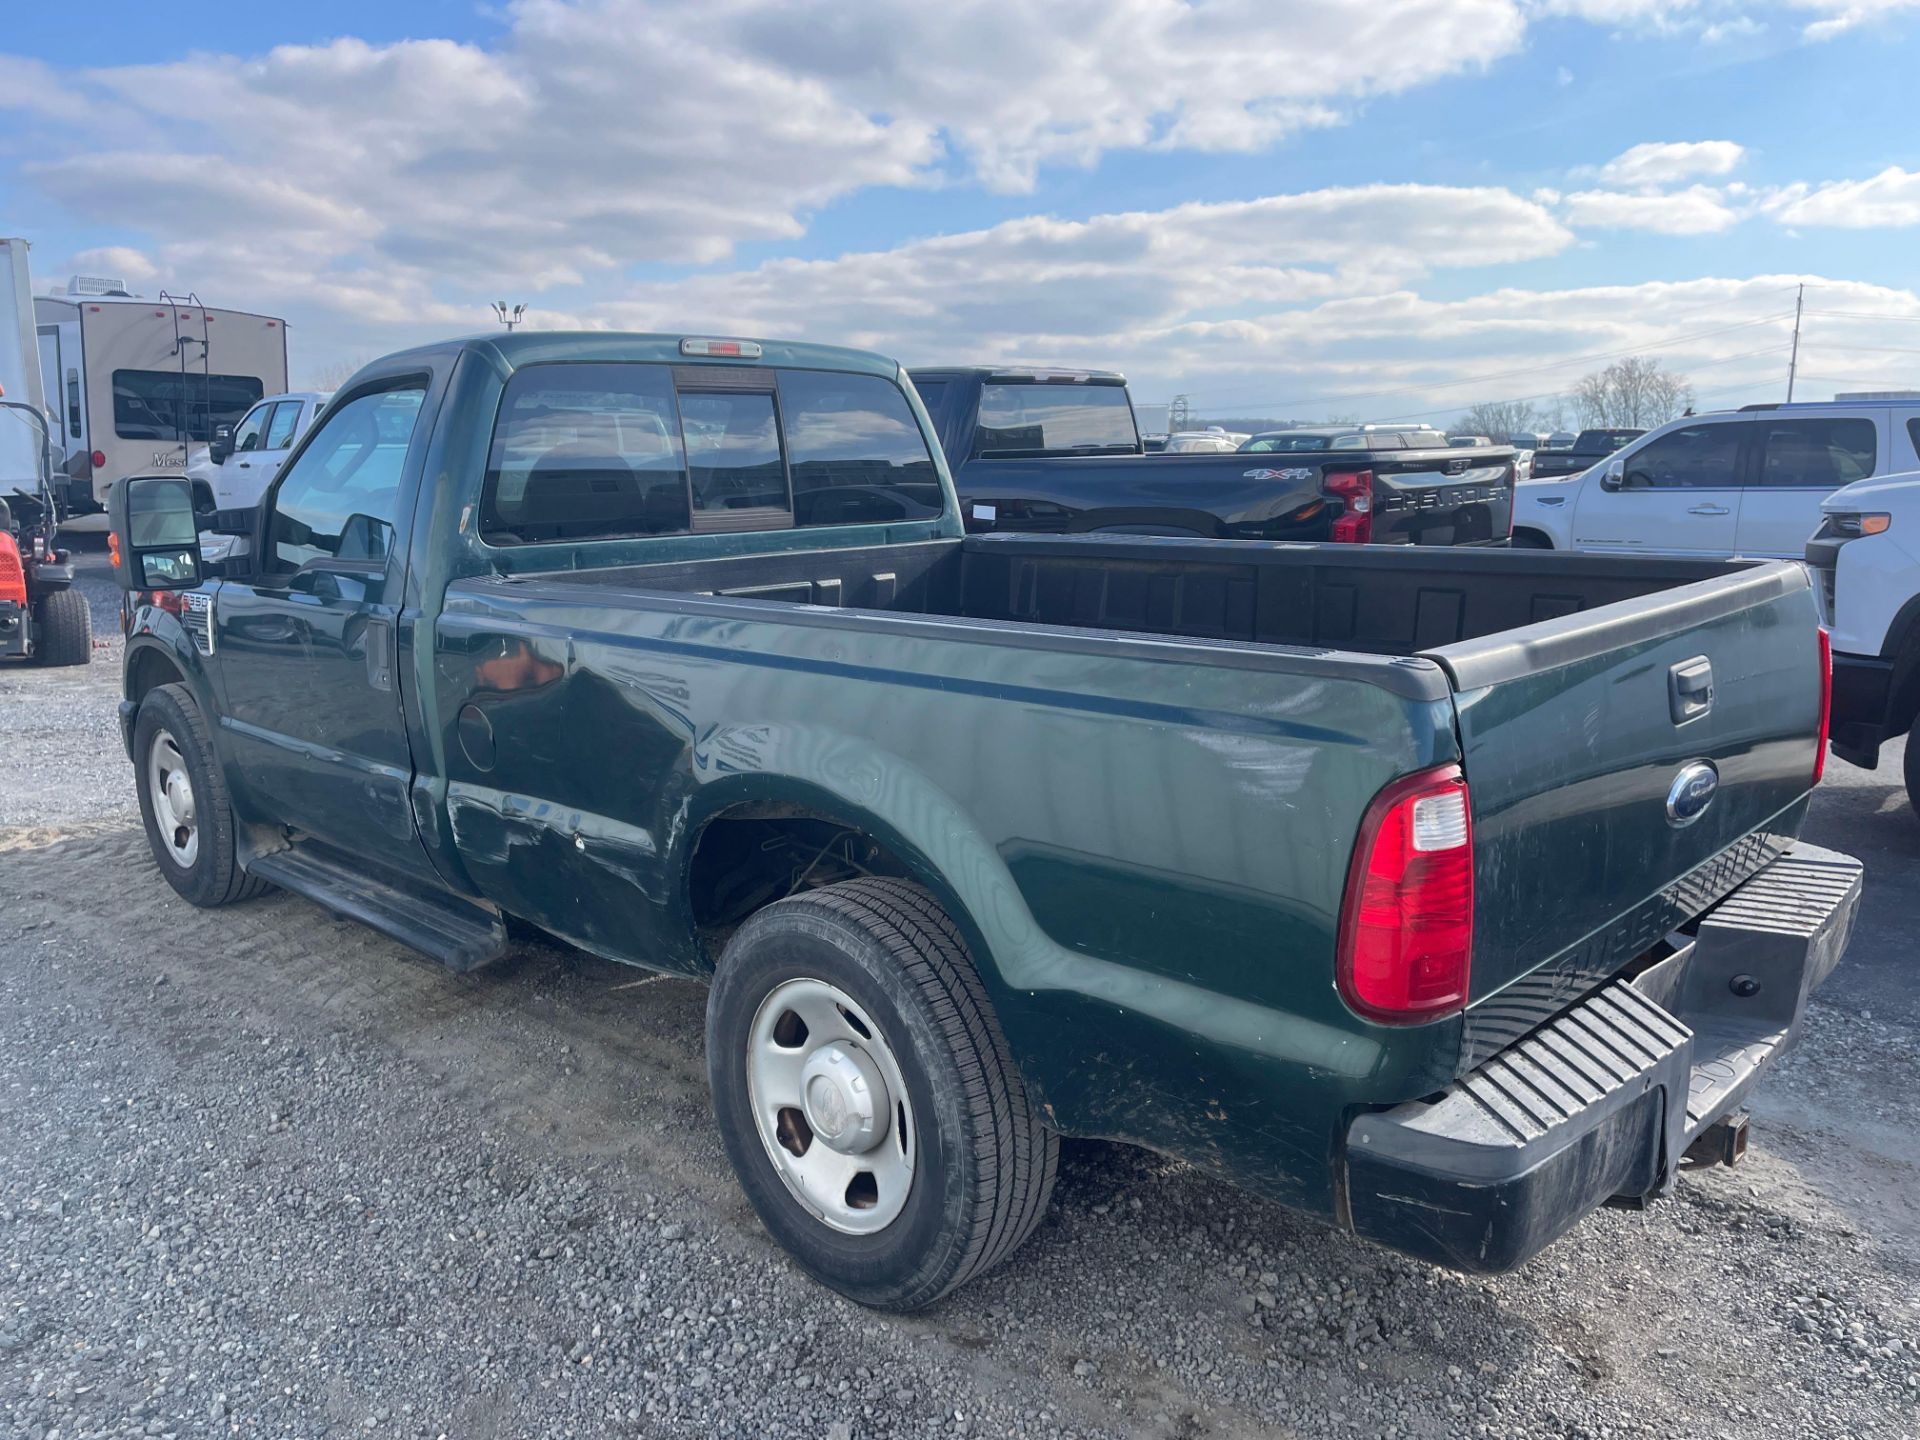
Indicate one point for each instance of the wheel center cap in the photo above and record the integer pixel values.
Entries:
(846, 1099)
(180, 797)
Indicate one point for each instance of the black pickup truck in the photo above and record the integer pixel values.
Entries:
(1057, 452)
(1590, 447)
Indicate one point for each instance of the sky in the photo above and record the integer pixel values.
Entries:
(1391, 209)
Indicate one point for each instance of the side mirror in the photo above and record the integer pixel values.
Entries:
(153, 539)
(1614, 477)
(221, 446)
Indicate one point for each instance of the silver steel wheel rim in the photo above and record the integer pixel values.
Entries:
(831, 1106)
(175, 815)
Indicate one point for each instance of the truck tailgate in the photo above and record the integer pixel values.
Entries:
(1628, 766)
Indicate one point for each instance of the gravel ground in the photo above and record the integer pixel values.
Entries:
(263, 1172)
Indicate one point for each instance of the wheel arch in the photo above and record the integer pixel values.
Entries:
(927, 837)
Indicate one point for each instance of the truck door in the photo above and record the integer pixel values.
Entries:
(1794, 464)
(1678, 494)
(312, 713)
(236, 480)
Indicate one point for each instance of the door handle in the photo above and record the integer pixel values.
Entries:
(1708, 510)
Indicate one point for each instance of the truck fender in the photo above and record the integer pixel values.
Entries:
(160, 652)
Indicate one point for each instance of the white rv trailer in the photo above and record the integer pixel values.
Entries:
(20, 440)
(141, 384)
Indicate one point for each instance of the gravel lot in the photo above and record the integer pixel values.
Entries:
(263, 1172)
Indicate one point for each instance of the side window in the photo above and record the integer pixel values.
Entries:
(584, 452)
(855, 450)
(339, 499)
(1913, 434)
(286, 415)
(247, 435)
(1696, 457)
(733, 460)
(1817, 453)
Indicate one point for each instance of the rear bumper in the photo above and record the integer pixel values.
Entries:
(1603, 1100)
(1862, 701)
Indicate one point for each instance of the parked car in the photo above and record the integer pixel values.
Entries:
(1735, 482)
(1589, 448)
(1867, 556)
(241, 460)
(1275, 858)
(1469, 442)
(1055, 452)
(1202, 442)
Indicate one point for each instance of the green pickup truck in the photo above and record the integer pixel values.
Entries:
(1444, 894)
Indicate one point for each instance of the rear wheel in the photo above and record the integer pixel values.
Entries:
(1530, 540)
(866, 1097)
(63, 628)
(183, 800)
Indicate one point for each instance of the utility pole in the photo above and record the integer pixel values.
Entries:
(508, 317)
(1793, 363)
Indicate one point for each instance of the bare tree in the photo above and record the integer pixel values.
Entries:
(336, 373)
(1631, 392)
(1498, 419)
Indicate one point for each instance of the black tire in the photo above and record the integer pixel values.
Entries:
(1530, 540)
(213, 877)
(984, 1160)
(1910, 770)
(63, 629)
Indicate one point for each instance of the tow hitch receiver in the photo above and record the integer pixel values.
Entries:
(1722, 1143)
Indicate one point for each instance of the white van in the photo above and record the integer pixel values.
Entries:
(1735, 482)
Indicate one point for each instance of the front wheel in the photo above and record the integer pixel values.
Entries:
(866, 1097)
(183, 800)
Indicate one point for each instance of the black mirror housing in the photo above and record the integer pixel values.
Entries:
(221, 446)
(154, 536)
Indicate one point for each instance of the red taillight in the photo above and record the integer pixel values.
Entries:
(13, 576)
(1406, 925)
(1354, 489)
(99, 458)
(1826, 703)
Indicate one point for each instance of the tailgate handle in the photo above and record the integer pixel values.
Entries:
(1690, 689)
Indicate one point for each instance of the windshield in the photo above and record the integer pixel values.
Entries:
(1027, 419)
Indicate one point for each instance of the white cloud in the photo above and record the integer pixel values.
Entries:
(1697, 210)
(1041, 282)
(1664, 162)
(1889, 199)
(1843, 15)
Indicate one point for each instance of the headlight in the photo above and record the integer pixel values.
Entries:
(1853, 526)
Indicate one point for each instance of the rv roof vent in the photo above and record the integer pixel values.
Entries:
(97, 285)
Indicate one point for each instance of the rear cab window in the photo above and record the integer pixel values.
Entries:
(1019, 419)
(623, 450)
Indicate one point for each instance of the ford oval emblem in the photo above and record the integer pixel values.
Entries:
(1691, 792)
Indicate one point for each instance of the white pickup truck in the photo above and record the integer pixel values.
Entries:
(1866, 554)
(241, 462)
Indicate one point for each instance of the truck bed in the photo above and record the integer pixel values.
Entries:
(1367, 600)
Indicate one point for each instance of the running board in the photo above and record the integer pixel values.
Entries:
(459, 934)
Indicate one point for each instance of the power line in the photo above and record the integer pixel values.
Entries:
(1534, 369)
(1864, 315)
